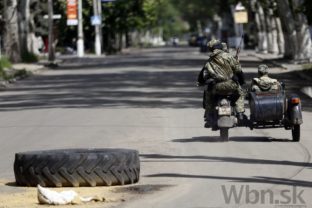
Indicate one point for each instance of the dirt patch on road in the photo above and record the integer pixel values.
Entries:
(12, 196)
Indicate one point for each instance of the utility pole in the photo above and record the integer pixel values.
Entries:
(100, 26)
(51, 38)
(80, 42)
(96, 13)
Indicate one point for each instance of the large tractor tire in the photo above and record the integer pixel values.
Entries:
(77, 167)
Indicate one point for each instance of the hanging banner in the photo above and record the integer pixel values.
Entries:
(72, 13)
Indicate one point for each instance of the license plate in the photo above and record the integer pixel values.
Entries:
(224, 111)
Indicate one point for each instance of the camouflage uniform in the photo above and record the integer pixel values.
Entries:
(225, 47)
(264, 82)
(222, 67)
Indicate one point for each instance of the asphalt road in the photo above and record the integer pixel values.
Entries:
(147, 100)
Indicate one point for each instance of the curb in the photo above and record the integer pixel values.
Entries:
(28, 73)
(297, 70)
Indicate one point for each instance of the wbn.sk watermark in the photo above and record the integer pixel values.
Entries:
(244, 194)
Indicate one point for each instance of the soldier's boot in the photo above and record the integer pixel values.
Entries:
(206, 115)
(242, 119)
(239, 106)
(209, 119)
(241, 116)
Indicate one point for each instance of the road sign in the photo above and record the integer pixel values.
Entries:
(241, 17)
(72, 14)
(72, 22)
(55, 16)
(96, 20)
(108, 0)
(240, 14)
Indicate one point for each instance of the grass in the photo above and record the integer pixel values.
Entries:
(307, 66)
(10, 74)
(4, 63)
(29, 58)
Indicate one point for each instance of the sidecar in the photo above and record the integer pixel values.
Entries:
(274, 109)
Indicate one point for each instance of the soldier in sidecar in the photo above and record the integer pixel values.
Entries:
(264, 83)
(270, 107)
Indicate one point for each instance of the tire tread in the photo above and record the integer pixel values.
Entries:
(74, 169)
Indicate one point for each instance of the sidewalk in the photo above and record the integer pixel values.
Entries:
(288, 65)
(278, 61)
(18, 72)
(32, 68)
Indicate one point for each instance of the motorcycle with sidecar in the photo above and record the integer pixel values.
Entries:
(271, 109)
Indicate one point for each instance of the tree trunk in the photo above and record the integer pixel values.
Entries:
(11, 36)
(119, 41)
(262, 34)
(51, 31)
(288, 24)
(24, 20)
(268, 30)
(128, 39)
(303, 52)
(272, 32)
(34, 43)
(280, 35)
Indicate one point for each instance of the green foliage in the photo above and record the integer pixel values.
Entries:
(29, 58)
(197, 10)
(39, 24)
(5, 63)
(162, 14)
(307, 66)
(2, 74)
(121, 17)
(7, 73)
(21, 73)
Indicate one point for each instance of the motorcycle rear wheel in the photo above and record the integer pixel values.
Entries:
(224, 134)
(296, 133)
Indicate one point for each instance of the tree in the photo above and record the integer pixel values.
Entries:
(304, 44)
(23, 23)
(296, 29)
(282, 27)
(11, 33)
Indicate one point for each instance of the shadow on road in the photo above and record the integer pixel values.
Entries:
(137, 89)
(234, 139)
(150, 158)
(70, 87)
(142, 61)
(255, 179)
(203, 158)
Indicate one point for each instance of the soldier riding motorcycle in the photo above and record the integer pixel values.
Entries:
(222, 76)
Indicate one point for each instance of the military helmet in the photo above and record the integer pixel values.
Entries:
(214, 44)
(263, 69)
